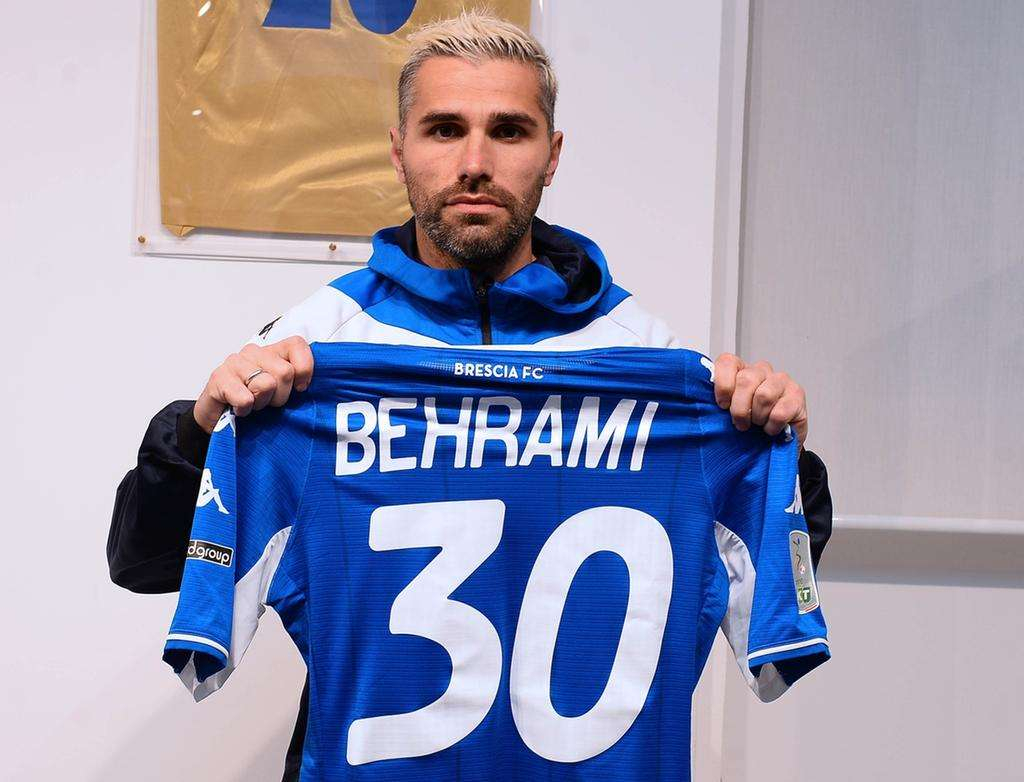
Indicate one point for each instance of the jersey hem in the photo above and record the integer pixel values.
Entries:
(196, 643)
(779, 652)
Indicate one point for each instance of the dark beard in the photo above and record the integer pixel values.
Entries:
(480, 243)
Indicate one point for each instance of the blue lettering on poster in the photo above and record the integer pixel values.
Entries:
(382, 16)
(309, 14)
(379, 16)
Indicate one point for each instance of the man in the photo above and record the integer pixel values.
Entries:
(475, 147)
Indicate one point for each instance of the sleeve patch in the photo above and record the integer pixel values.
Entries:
(803, 571)
(205, 551)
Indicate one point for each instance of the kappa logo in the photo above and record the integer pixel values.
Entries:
(205, 551)
(709, 365)
(797, 505)
(226, 419)
(209, 493)
(266, 329)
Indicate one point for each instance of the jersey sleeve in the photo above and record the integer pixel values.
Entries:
(246, 508)
(773, 619)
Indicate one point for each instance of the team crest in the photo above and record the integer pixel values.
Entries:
(803, 571)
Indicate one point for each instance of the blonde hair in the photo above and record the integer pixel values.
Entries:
(476, 36)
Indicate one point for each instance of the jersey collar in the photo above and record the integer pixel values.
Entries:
(568, 276)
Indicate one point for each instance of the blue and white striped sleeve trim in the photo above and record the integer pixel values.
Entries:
(197, 643)
(786, 651)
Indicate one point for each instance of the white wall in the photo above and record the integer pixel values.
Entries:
(882, 265)
(639, 105)
(101, 340)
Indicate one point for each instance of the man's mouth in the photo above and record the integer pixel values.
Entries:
(474, 203)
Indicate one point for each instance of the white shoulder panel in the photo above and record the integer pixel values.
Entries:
(314, 319)
(363, 328)
(331, 316)
(651, 331)
(627, 325)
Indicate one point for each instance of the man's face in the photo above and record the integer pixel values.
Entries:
(475, 157)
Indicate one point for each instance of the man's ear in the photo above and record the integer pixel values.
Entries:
(396, 154)
(556, 151)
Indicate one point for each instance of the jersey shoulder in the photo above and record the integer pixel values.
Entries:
(616, 320)
(343, 310)
(650, 331)
(624, 310)
(321, 315)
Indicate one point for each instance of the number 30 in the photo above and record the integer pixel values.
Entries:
(468, 532)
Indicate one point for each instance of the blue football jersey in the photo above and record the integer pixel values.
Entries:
(500, 563)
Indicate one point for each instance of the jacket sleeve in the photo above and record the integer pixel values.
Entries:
(817, 501)
(155, 502)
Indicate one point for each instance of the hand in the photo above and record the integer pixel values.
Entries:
(757, 394)
(286, 365)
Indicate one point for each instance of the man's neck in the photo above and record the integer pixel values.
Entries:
(433, 256)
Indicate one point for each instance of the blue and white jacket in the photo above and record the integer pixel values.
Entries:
(564, 299)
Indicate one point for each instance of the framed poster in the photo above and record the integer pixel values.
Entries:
(263, 123)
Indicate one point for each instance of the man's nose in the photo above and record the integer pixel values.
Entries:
(476, 162)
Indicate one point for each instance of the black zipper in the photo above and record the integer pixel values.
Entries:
(485, 311)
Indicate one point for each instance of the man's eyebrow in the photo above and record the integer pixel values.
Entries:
(513, 118)
(433, 117)
(497, 118)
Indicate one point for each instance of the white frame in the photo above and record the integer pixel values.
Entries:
(151, 238)
(712, 702)
(942, 524)
(732, 114)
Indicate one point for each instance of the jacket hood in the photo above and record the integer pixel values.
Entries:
(569, 275)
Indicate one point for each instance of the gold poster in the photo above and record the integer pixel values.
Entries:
(274, 113)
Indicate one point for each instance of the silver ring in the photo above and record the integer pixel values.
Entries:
(252, 376)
